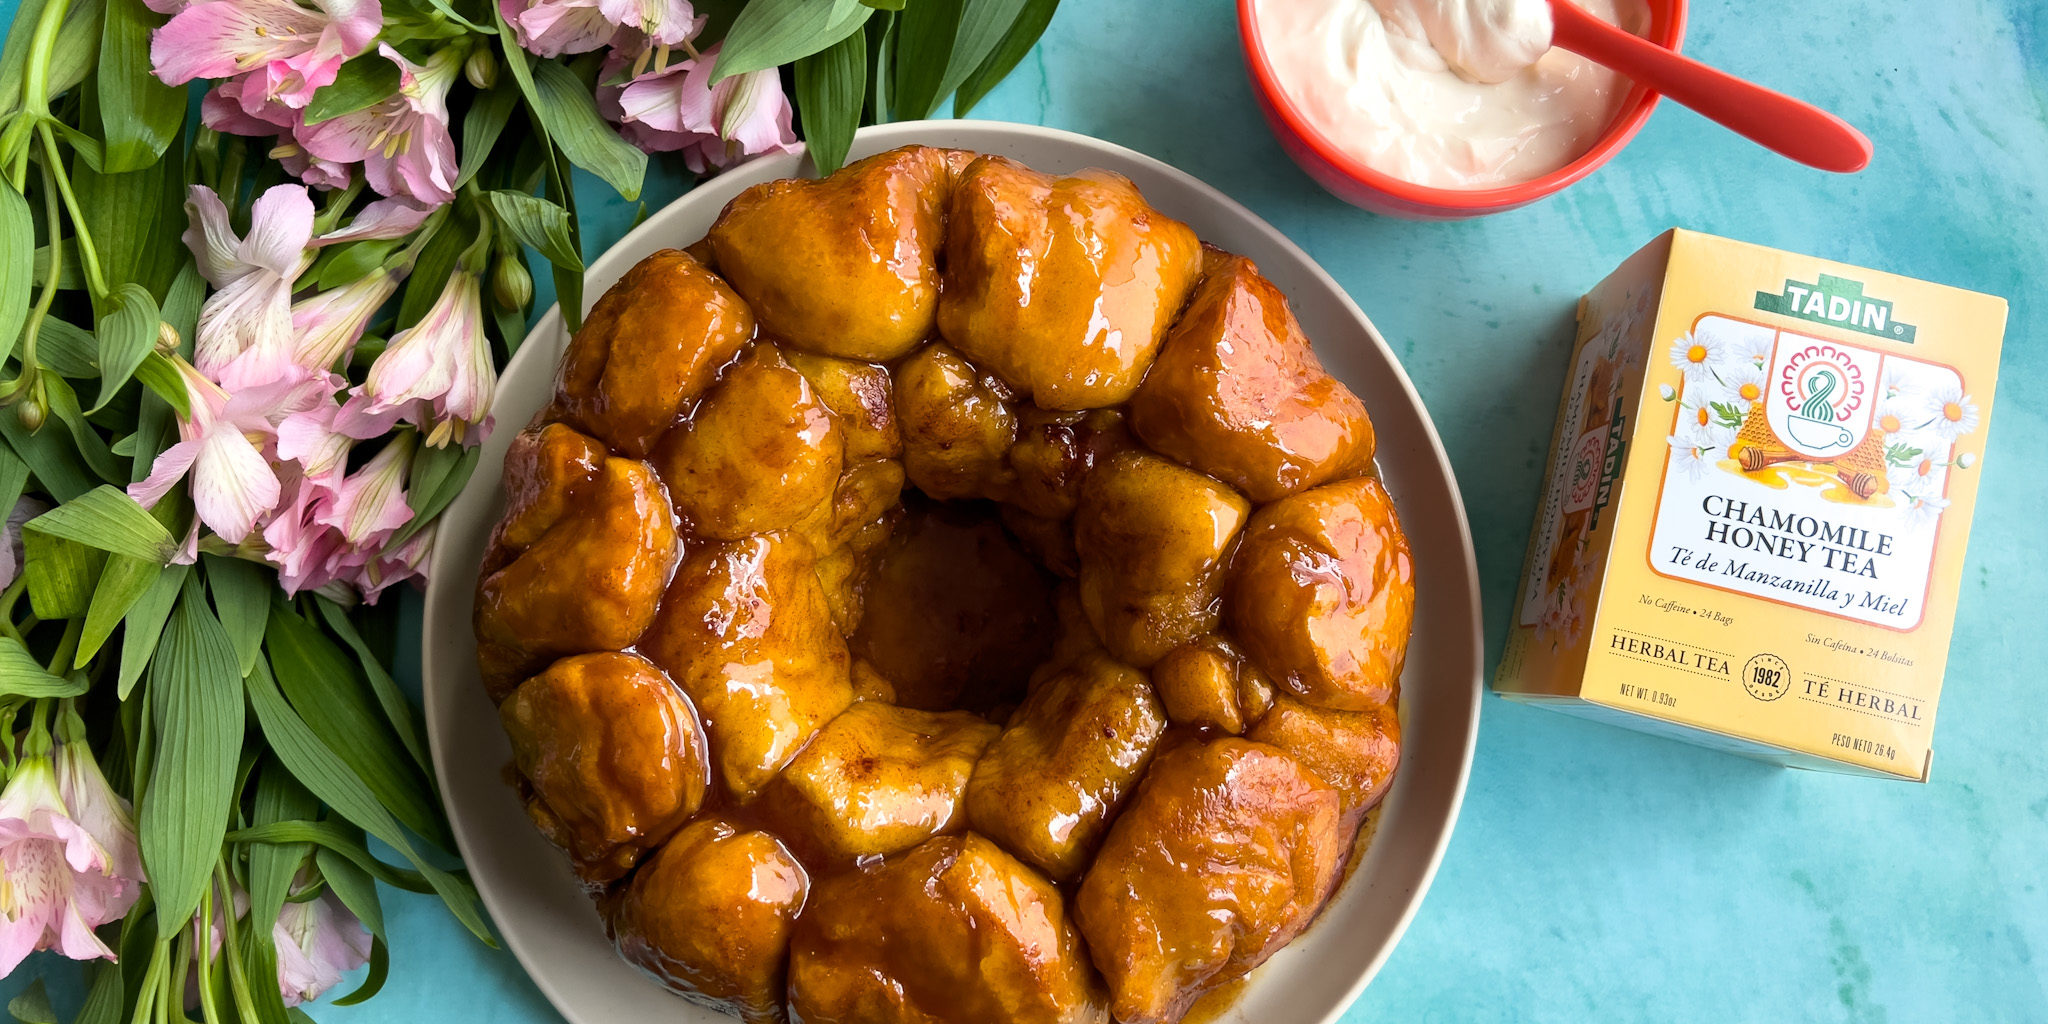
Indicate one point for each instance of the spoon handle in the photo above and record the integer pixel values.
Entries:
(1791, 127)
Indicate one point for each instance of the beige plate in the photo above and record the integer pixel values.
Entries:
(527, 884)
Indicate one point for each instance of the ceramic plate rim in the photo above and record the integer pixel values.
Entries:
(560, 960)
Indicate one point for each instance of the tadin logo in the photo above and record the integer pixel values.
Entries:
(1818, 399)
(1837, 302)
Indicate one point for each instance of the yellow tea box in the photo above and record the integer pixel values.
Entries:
(1757, 502)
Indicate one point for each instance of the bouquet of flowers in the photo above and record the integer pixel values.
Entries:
(260, 261)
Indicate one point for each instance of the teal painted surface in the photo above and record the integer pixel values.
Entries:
(1597, 874)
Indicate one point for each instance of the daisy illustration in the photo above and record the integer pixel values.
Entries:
(1697, 356)
(1914, 474)
(1950, 413)
(1923, 507)
(1897, 403)
(1745, 383)
(1748, 345)
(1692, 453)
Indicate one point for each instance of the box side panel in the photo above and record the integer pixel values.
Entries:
(1568, 545)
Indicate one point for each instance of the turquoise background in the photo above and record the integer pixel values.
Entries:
(1598, 874)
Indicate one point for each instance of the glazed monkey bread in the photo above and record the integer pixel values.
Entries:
(948, 594)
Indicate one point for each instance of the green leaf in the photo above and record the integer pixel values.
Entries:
(145, 625)
(885, 5)
(13, 477)
(924, 45)
(942, 42)
(486, 120)
(568, 283)
(327, 691)
(85, 440)
(373, 980)
(195, 698)
(17, 260)
(60, 574)
(354, 887)
(140, 114)
(771, 33)
(323, 773)
(78, 46)
(831, 85)
(1022, 36)
(540, 224)
(123, 582)
(344, 841)
(345, 264)
(566, 106)
(165, 385)
(431, 271)
(127, 335)
(123, 215)
(241, 597)
(108, 519)
(881, 54)
(398, 709)
(70, 276)
(362, 83)
(21, 675)
(32, 1006)
(430, 492)
(66, 349)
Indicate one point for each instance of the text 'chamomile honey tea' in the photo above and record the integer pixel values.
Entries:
(1758, 499)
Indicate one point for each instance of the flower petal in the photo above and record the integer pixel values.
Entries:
(232, 485)
(280, 229)
(211, 237)
(164, 474)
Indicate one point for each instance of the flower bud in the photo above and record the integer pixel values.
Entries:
(511, 285)
(1666, 392)
(1966, 460)
(481, 68)
(167, 339)
(31, 411)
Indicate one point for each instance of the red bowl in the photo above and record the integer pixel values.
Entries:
(1349, 179)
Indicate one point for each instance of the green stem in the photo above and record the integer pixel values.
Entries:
(238, 978)
(67, 647)
(8, 599)
(152, 984)
(36, 86)
(20, 385)
(208, 1011)
(88, 257)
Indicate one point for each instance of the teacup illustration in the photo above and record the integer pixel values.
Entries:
(1814, 426)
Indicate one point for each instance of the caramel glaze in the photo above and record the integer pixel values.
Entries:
(1235, 611)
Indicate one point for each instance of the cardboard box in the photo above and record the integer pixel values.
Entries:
(1758, 500)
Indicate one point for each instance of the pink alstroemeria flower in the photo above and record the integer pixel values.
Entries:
(396, 565)
(676, 108)
(222, 448)
(58, 881)
(371, 505)
(437, 374)
(664, 22)
(551, 28)
(318, 941)
(381, 218)
(291, 49)
(328, 325)
(403, 141)
(245, 328)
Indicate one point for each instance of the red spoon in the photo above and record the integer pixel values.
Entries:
(1791, 127)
